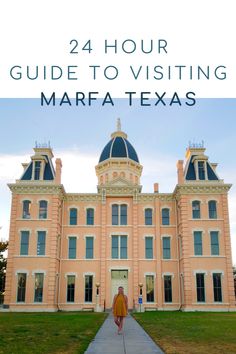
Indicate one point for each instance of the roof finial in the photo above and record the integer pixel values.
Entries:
(118, 125)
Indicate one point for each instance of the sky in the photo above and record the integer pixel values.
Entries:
(77, 134)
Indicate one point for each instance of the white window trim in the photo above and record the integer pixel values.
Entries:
(168, 273)
(71, 235)
(93, 236)
(73, 207)
(119, 268)
(119, 233)
(166, 207)
(43, 199)
(148, 207)
(202, 271)
(150, 273)
(88, 273)
(170, 236)
(196, 199)
(22, 271)
(24, 229)
(89, 207)
(41, 271)
(71, 273)
(153, 236)
(119, 202)
(217, 271)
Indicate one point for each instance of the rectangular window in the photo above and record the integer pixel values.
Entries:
(38, 288)
(123, 214)
(26, 209)
(215, 251)
(70, 288)
(123, 247)
(149, 288)
(43, 208)
(90, 216)
(168, 288)
(114, 247)
(24, 243)
(89, 247)
(217, 287)
(73, 216)
(72, 248)
(21, 287)
(196, 209)
(166, 247)
(88, 288)
(41, 243)
(115, 214)
(200, 287)
(119, 214)
(119, 247)
(148, 216)
(201, 170)
(149, 247)
(197, 243)
(37, 167)
(212, 209)
(165, 216)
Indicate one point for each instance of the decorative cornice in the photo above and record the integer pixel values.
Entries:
(37, 188)
(206, 188)
(120, 190)
(83, 197)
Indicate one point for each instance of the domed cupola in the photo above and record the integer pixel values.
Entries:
(119, 147)
(118, 162)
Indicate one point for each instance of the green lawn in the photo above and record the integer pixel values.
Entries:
(191, 332)
(60, 332)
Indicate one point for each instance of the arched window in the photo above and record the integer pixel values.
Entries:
(196, 214)
(212, 209)
(90, 216)
(119, 214)
(148, 216)
(26, 209)
(73, 216)
(43, 209)
(165, 215)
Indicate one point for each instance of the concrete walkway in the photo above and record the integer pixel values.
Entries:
(134, 339)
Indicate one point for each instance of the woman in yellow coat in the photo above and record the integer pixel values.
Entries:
(120, 308)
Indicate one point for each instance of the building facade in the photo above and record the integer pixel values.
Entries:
(71, 251)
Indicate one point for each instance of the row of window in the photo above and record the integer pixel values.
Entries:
(38, 287)
(119, 249)
(42, 211)
(119, 213)
(88, 289)
(200, 286)
(119, 245)
(41, 243)
(214, 240)
(196, 209)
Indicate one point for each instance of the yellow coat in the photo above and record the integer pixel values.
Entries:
(119, 308)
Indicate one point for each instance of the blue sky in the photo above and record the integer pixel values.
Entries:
(159, 134)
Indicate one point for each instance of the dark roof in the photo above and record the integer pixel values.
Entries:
(190, 173)
(119, 147)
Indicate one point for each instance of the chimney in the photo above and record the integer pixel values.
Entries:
(156, 187)
(58, 171)
(180, 171)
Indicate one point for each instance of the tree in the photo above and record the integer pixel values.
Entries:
(3, 263)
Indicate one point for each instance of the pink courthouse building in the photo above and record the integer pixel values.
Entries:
(71, 251)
